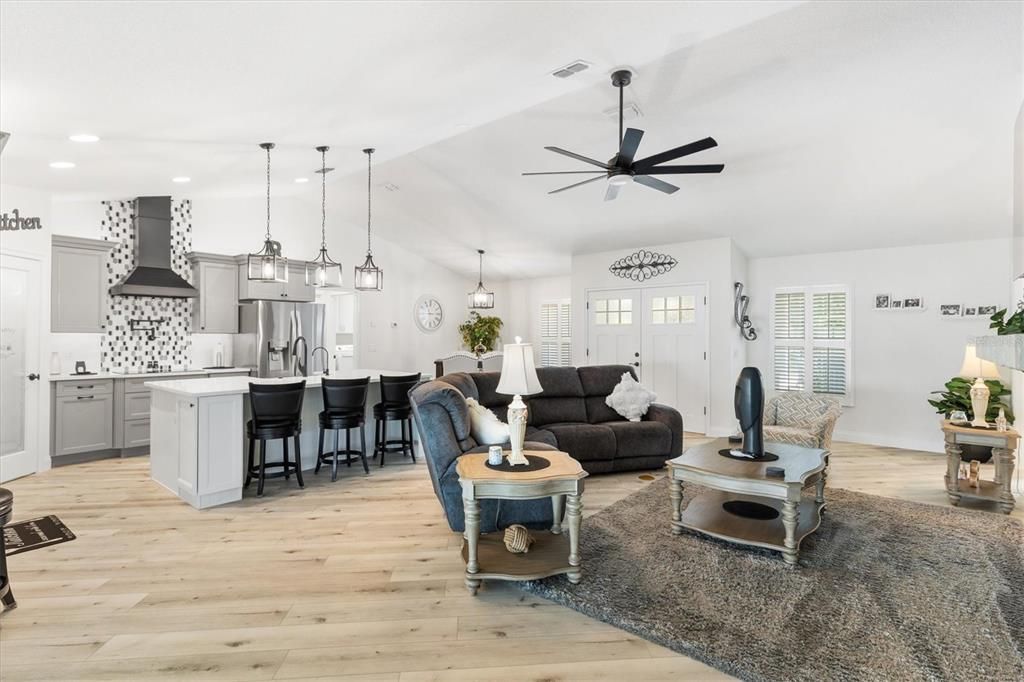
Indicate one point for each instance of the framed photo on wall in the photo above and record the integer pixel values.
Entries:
(882, 301)
(950, 310)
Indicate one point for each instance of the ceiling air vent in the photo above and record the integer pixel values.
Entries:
(571, 69)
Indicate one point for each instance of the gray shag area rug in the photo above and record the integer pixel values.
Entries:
(886, 590)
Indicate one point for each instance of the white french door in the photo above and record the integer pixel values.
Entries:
(20, 383)
(613, 328)
(675, 350)
(662, 333)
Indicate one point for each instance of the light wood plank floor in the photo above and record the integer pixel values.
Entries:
(360, 579)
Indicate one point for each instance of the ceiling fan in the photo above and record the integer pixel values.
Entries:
(621, 168)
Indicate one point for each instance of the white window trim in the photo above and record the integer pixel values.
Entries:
(554, 339)
(807, 343)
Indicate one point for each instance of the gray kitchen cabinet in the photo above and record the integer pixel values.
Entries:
(78, 284)
(84, 418)
(216, 278)
(294, 290)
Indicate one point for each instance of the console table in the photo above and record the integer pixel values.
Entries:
(743, 504)
(551, 553)
(1003, 444)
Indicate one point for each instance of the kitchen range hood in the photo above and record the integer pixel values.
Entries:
(153, 275)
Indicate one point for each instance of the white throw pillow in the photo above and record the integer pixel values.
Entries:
(630, 399)
(485, 426)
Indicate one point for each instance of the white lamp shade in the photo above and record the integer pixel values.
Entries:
(975, 367)
(518, 373)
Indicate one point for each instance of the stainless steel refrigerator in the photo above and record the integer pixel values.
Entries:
(277, 339)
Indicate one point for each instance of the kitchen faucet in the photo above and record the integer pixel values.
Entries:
(327, 359)
(300, 361)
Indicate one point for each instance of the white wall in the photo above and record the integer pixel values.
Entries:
(898, 357)
(521, 310)
(34, 243)
(386, 337)
(710, 261)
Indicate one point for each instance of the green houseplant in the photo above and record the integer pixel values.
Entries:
(1014, 324)
(957, 396)
(482, 331)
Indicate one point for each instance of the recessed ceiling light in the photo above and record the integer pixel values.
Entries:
(301, 180)
(84, 137)
(62, 164)
(181, 178)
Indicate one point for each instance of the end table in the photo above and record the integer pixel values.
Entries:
(1003, 444)
(551, 553)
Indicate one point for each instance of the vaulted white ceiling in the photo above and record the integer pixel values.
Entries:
(842, 125)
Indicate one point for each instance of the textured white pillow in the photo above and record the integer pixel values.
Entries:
(630, 399)
(485, 426)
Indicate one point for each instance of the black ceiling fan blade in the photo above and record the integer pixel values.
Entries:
(678, 170)
(562, 189)
(573, 155)
(655, 183)
(563, 172)
(686, 149)
(630, 143)
(611, 192)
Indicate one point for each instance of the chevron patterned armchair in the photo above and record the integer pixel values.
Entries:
(801, 419)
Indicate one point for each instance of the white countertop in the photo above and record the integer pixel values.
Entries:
(147, 375)
(210, 386)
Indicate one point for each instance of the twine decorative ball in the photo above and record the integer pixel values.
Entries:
(518, 539)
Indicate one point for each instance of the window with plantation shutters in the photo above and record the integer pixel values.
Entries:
(555, 334)
(811, 341)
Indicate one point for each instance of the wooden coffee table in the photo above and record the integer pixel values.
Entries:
(766, 512)
(551, 554)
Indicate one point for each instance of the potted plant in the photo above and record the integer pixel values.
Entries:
(957, 396)
(480, 333)
(1014, 324)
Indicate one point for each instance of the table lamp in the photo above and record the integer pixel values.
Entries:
(980, 370)
(518, 378)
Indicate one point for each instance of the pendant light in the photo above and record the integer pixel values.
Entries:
(481, 298)
(267, 264)
(368, 276)
(323, 271)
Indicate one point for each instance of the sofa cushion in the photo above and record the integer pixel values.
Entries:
(450, 399)
(545, 410)
(486, 387)
(463, 382)
(640, 439)
(560, 382)
(598, 382)
(799, 409)
(791, 434)
(584, 442)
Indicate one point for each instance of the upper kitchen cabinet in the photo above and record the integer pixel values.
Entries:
(78, 286)
(294, 290)
(216, 278)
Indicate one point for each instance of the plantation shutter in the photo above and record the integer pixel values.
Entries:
(811, 340)
(556, 334)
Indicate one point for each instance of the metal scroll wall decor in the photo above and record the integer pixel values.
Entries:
(740, 303)
(642, 265)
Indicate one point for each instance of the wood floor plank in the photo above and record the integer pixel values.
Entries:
(648, 670)
(258, 665)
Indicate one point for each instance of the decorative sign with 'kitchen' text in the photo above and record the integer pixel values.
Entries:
(14, 221)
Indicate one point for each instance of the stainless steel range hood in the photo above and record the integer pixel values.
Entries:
(153, 275)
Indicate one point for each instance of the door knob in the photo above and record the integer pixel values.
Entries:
(33, 376)
(636, 364)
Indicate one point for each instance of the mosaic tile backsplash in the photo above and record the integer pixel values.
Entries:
(120, 347)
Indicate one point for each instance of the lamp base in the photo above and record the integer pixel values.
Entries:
(517, 431)
(979, 402)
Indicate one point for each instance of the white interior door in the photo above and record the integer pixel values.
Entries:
(674, 351)
(613, 328)
(20, 383)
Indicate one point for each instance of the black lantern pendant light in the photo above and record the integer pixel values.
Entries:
(322, 271)
(481, 298)
(267, 264)
(368, 276)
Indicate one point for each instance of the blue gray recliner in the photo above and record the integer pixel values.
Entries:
(570, 415)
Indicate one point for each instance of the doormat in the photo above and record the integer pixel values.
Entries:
(35, 534)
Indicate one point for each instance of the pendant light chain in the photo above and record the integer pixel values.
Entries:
(268, 194)
(323, 198)
(480, 279)
(369, 200)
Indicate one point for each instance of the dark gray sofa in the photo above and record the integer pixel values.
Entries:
(570, 415)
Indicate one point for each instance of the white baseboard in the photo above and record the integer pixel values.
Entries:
(934, 444)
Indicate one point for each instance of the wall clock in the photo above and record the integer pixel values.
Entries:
(428, 313)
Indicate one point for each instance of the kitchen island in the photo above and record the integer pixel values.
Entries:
(198, 442)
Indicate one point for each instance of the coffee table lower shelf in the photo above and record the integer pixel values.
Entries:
(548, 555)
(705, 514)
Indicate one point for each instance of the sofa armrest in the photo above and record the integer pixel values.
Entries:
(671, 418)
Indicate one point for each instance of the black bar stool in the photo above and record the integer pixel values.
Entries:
(276, 413)
(394, 406)
(344, 410)
(6, 510)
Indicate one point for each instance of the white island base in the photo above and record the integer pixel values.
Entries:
(198, 447)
